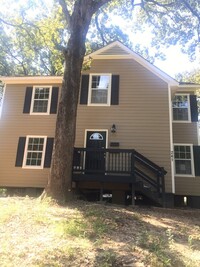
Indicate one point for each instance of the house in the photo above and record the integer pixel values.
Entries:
(136, 136)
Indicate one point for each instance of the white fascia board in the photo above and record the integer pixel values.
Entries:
(32, 80)
(132, 55)
(188, 87)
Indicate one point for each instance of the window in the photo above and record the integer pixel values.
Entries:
(99, 89)
(181, 108)
(41, 99)
(183, 157)
(34, 152)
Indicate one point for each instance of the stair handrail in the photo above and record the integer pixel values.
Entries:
(147, 162)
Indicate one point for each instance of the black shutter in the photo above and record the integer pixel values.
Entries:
(84, 89)
(48, 152)
(115, 90)
(54, 100)
(20, 151)
(196, 150)
(194, 108)
(27, 100)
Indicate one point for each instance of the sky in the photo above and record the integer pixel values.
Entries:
(176, 62)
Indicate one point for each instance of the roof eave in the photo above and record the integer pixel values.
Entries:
(31, 79)
(132, 55)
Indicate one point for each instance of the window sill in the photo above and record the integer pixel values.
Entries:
(41, 113)
(185, 175)
(181, 121)
(98, 105)
(32, 167)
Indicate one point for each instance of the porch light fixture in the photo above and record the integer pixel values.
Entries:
(113, 129)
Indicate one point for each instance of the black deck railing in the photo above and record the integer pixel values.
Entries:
(119, 162)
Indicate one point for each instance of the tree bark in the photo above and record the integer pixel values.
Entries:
(59, 181)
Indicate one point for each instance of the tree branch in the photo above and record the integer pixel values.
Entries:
(194, 12)
(160, 4)
(11, 24)
(97, 4)
(65, 12)
(99, 29)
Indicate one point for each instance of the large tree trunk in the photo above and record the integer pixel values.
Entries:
(59, 182)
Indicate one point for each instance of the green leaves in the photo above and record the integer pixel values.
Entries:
(33, 33)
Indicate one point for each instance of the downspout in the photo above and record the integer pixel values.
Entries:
(171, 139)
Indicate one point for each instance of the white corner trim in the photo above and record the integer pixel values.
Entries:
(2, 101)
(171, 140)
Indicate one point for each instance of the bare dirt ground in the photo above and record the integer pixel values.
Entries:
(35, 233)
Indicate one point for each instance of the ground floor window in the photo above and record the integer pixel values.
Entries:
(34, 152)
(183, 158)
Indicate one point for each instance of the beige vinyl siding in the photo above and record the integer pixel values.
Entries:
(15, 124)
(185, 133)
(141, 118)
(116, 50)
(187, 186)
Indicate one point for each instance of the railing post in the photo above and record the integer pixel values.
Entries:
(132, 194)
(133, 164)
(101, 193)
(163, 186)
(159, 182)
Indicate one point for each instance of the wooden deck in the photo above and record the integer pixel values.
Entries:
(125, 166)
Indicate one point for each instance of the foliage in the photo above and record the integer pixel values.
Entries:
(174, 22)
(29, 47)
(192, 76)
(33, 33)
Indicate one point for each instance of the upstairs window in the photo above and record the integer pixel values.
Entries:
(99, 89)
(183, 156)
(41, 99)
(181, 108)
(34, 152)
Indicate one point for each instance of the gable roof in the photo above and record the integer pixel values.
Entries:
(114, 50)
(118, 50)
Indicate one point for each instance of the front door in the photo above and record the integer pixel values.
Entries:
(95, 158)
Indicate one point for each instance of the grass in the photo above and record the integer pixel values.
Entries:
(43, 234)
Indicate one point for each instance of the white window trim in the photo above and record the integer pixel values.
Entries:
(90, 90)
(49, 100)
(189, 111)
(24, 166)
(95, 130)
(2, 101)
(192, 161)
